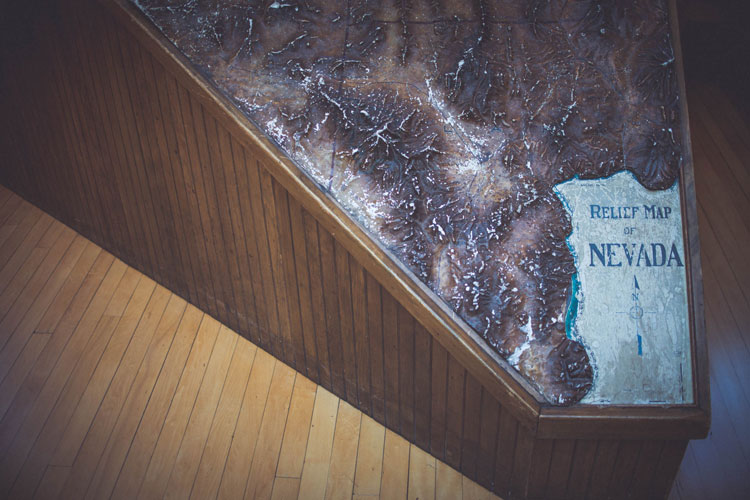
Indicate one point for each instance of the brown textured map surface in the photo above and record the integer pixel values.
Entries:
(442, 128)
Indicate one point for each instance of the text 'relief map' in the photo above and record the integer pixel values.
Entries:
(630, 297)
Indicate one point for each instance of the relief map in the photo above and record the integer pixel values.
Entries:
(520, 157)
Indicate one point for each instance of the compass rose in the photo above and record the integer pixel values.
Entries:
(636, 313)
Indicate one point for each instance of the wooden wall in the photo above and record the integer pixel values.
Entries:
(98, 133)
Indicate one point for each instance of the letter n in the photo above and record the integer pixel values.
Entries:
(595, 251)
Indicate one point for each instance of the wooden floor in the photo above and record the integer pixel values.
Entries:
(715, 40)
(719, 467)
(111, 386)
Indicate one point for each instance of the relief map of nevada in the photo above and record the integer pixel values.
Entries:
(521, 157)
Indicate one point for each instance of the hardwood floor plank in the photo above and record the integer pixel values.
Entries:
(395, 481)
(208, 477)
(11, 204)
(159, 319)
(422, 470)
(448, 482)
(344, 453)
(266, 456)
(5, 232)
(730, 306)
(297, 429)
(162, 459)
(177, 390)
(52, 481)
(47, 438)
(369, 458)
(58, 355)
(707, 128)
(49, 306)
(106, 443)
(237, 467)
(144, 309)
(22, 364)
(19, 244)
(31, 276)
(472, 491)
(132, 440)
(319, 445)
(205, 410)
(286, 488)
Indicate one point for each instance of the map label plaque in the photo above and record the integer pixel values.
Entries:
(629, 305)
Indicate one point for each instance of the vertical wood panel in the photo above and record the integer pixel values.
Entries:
(454, 412)
(252, 237)
(604, 462)
(390, 362)
(141, 145)
(472, 426)
(439, 392)
(645, 468)
(221, 160)
(301, 270)
(375, 334)
(283, 334)
(204, 293)
(622, 475)
(252, 170)
(239, 266)
(406, 372)
(669, 462)
(175, 184)
(343, 286)
(325, 365)
(582, 464)
(521, 463)
(328, 281)
(361, 340)
(488, 435)
(559, 468)
(104, 133)
(422, 385)
(539, 469)
(156, 173)
(290, 290)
